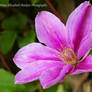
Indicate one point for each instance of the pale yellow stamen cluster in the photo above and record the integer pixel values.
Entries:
(68, 56)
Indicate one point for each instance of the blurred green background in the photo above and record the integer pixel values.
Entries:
(17, 29)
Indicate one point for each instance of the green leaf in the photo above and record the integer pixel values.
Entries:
(29, 38)
(51, 89)
(31, 87)
(15, 22)
(5, 2)
(7, 40)
(66, 87)
(7, 83)
(34, 1)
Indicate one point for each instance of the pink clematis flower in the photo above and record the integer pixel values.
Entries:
(66, 50)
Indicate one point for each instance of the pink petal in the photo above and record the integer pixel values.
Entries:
(84, 66)
(79, 24)
(50, 30)
(85, 45)
(54, 75)
(33, 70)
(34, 52)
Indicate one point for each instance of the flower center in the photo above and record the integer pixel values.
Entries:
(68, 56)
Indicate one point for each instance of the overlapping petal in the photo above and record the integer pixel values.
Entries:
(34, 52)
(54, 75)
(83, 66)
(79, 24)
(85, 45)
(32, 71)
(50, 30)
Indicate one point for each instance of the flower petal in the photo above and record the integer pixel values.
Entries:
(54, 75)
(50, 30)
(79, 24)
(34, 52)
(32, 71)
(84, 66)
(85, 45)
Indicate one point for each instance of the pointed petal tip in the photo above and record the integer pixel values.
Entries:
(41, 13)
(15, 61)
(86, 2)
(17, 79)
(16, 82)
(44, 86)
(14, 58)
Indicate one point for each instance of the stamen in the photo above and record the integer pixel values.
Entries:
(68, 56)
